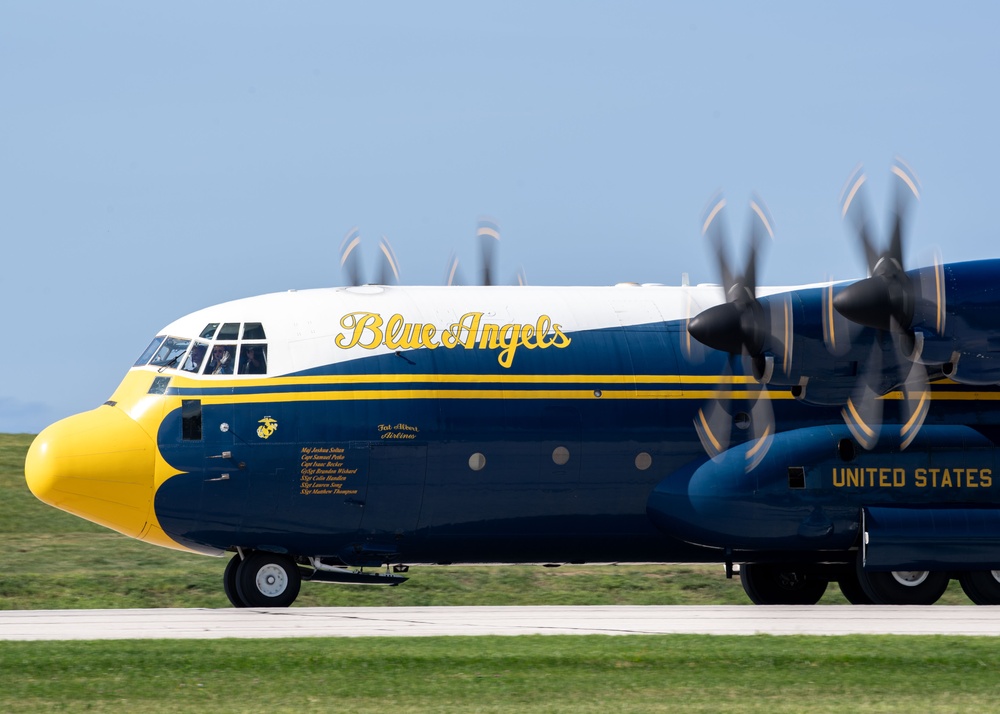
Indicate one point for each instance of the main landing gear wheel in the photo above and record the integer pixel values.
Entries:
(850, 588)
(229, 581)
(767, 584)
(902, 587)
(268, 580)
(982, 586)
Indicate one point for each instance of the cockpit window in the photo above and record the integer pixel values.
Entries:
(253, 331)
(229, 331)
(222, 348)
(170, 352)
(253, 359)
(209, 331)
(221, 360)
(196, 357)
(149, 351)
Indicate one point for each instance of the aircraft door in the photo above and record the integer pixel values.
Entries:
(226, 482)
(395, 493)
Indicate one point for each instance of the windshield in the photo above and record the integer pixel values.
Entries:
(222, 349)
(149, 351)
(170, 352)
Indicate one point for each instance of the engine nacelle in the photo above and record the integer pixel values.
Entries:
(808, 492)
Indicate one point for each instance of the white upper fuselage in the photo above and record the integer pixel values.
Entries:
(307, 329)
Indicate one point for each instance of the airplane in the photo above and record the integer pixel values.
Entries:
(831, 432)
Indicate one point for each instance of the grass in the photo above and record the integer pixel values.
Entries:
(495, 674)
(56, 561)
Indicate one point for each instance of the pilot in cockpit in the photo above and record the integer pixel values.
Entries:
(195, 358)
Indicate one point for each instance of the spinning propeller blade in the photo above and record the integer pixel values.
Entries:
(350, 260)
(890, 302)
(488, 237)
(741, 327)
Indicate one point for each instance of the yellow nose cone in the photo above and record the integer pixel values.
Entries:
(97, 465)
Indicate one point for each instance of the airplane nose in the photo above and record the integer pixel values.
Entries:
(97, 465)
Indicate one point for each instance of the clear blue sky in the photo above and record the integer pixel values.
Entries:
(155, 159)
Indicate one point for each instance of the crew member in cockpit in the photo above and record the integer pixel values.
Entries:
(195, 359)
(221, 361)
(253, 360)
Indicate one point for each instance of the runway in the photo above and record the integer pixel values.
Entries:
(508, 621)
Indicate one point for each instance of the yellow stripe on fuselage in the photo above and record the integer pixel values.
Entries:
(187, 382)
(506, 386)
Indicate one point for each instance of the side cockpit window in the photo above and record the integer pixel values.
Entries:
(222, 359)
(253, 359)
(253, 350)
(196, 357)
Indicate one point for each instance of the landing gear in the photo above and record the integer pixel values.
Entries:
(262, 580)
(767, 584)
(229, 581)
(850, 588)
(982, 586)
(902, 587)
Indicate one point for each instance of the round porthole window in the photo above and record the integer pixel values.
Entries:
(477, 461)
(643, 461)
(560, 455)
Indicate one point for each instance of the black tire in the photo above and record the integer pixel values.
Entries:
(982, 586)
(850, 588)
(767, 584)
(902, 587)
(229, 581)
(268, 580)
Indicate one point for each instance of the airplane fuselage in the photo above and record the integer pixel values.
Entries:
(374, 425)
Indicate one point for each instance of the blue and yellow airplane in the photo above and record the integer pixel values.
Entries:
(840, 432)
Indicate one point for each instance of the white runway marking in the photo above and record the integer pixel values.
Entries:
(435, 621)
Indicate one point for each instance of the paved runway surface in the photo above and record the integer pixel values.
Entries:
(428, 621)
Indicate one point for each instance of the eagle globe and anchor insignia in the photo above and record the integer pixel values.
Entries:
(268, 425)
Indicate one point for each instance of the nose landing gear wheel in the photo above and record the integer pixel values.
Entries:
(767, 584)
(268, 580)
(982, 586)
(902, 587)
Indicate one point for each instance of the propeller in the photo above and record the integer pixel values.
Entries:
(350, 260)
(890, 302)
(488, 237)
(742, 328)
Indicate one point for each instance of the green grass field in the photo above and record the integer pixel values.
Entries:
(513, 674)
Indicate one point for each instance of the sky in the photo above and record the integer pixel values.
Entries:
(157, 158)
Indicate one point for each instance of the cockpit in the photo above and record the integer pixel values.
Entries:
(220, 349)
